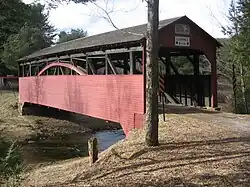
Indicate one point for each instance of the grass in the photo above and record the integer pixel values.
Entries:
(10, 164)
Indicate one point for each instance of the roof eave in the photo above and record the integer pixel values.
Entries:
(83, 49)
(219, 45)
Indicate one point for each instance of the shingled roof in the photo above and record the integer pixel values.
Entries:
(130, 34)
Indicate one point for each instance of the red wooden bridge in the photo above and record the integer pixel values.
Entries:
(103, 75)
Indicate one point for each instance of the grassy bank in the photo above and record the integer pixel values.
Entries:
(44, 140)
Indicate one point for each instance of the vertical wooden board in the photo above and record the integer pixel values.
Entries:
(138, 120)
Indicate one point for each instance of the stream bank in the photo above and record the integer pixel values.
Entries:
(61, 147)
(48, 135)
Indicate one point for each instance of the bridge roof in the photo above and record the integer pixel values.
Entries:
(126, 35)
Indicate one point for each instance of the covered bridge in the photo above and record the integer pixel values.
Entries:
(103, 75)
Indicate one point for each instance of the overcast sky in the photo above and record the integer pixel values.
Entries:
(208, 14)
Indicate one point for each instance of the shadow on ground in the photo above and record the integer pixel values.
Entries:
(183, 159)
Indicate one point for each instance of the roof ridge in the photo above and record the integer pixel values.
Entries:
(138, 29)
(175, 18)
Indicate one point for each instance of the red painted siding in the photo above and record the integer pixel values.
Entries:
(198, 38)
(116, 98)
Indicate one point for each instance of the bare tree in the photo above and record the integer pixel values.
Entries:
(232, 30)
(106, 15)
(151, 116)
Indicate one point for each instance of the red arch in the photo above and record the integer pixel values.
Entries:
(59, 64)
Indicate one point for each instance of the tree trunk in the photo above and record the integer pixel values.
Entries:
(234, 83)
(243, 88)
(151, 116)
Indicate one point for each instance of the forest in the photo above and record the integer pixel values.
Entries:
(24, 29)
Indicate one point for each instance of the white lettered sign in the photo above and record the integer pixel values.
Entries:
(182, 41)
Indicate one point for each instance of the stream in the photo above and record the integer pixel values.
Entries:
(56, 148)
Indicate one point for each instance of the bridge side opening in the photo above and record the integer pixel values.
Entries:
(120, 61)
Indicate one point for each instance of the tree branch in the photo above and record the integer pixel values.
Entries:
(108, 18)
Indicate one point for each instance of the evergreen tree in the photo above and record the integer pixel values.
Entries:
(33, 34)
(13, 14)
(239, 44)
(72, 35)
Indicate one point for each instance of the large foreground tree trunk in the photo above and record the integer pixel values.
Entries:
(151, 116)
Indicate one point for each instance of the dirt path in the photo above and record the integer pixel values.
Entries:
(238, 123)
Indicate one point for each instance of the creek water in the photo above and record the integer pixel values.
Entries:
(108, 138)
(55, 148)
